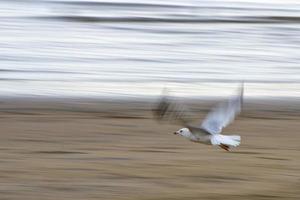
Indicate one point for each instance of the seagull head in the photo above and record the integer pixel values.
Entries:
(182, 132)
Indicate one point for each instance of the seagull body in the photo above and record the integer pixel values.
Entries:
(209, 131)
(224, 141)
(200, 138)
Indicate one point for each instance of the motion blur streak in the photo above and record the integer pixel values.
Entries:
(79, 81)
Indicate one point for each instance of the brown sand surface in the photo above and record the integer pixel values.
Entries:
(80, 149)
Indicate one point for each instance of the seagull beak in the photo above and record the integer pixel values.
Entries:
(175, 133)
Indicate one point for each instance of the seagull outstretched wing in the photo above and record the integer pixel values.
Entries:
(172, 110)
(223, 114)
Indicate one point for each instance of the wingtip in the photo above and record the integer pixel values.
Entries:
(242, 94)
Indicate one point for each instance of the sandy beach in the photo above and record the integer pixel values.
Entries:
(104, 149)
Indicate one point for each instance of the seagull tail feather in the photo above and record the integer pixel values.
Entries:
(229, 140)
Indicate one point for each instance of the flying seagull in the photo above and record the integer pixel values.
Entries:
(209, 131)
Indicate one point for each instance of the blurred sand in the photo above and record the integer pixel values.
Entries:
(80, 149)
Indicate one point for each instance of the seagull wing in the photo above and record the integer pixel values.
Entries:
(223, 114)
(169, 109)
(172, 110)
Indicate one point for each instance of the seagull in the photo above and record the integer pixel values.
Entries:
(209, 131)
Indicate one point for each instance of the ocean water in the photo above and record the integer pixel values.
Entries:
(130, 48)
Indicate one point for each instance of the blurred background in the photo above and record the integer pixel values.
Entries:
(135, 48)
(79, 79)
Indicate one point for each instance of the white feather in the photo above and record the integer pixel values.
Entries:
(230, 140)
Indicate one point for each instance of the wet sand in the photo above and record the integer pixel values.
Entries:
(88, 149)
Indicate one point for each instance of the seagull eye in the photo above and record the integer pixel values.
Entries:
(181, 131)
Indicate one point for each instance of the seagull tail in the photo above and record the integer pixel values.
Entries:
(228, 140)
